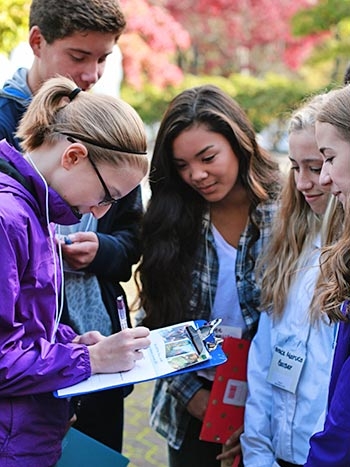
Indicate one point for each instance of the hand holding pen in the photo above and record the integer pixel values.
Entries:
(122, 312)
(123, 319)
(119, 351)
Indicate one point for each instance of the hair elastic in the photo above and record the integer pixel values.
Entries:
(72, 95)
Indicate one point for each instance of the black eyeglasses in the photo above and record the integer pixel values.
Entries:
(108, 199)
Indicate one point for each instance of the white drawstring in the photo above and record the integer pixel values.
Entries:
(58, 307)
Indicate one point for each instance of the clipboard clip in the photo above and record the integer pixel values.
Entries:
(204, 337)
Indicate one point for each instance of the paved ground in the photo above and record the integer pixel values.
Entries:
(142, 445)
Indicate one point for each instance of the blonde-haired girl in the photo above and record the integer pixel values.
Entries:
(83, 152)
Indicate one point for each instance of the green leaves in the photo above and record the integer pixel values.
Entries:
(13, 23)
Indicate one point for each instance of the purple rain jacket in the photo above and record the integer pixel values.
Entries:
(32, 420)
(331, 447)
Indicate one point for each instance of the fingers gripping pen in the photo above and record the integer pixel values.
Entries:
(122, 312)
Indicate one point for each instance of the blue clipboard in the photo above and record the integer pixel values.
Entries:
(200, 333)
(79, 449)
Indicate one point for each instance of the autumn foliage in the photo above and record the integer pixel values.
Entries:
(242, 35)
(167, 39)
(151, 40)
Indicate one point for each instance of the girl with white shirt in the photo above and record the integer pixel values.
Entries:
(213, 198)
(290, 356)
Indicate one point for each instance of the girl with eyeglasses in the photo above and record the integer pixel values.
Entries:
(82, 152)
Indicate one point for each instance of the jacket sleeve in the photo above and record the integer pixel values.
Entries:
(331, 446)
(29, 362)
(65, 334)
(119, 243)
(256, 439)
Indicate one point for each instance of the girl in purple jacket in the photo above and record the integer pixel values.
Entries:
(331, 447)
(82, 152)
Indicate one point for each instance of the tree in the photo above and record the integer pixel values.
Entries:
(13, 23)
(150, 44)
(252, 36)
(330, 19)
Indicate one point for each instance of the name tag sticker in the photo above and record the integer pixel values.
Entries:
(223, 331)
(235, 392)
(286, 364)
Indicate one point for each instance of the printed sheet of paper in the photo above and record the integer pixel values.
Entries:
(171, 350)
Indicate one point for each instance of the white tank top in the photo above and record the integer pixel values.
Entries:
(226, 303)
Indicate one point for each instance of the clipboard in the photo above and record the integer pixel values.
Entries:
(225, 411)
(174, 350)
(80, 449)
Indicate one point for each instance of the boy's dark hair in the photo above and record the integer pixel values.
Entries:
(346, 79)
(58, 19)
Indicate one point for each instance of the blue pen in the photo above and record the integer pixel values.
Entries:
(122, 312)
(67, 240)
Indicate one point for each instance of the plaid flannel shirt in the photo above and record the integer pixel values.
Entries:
(169, 416)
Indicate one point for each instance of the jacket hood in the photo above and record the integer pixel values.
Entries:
(16, 88)
(59, 210)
